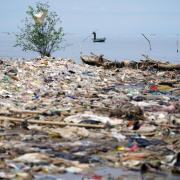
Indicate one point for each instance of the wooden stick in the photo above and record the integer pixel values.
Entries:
(4, 118)
(177, 46)
(147, 40)
(132, 132)
(16, 111)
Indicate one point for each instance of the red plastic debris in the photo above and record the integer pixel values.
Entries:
(153, 87)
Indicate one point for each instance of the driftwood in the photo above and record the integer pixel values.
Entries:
(152, 63)
(145, 64)
(168, 66)
(96, 60)
(25, 112)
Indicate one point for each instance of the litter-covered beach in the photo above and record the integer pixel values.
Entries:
(58, 117)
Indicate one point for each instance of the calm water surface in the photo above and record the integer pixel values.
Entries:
(115, 48)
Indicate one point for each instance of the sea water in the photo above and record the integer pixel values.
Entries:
(119, 47)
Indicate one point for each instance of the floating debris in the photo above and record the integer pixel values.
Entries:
(59, 117)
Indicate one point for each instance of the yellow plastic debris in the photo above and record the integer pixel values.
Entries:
(120, 148)
(164, 87)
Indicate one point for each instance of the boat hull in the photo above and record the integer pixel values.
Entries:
(99, 40)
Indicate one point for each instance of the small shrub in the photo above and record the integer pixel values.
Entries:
(40, 33)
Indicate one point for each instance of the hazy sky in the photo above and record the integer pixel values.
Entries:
(106, 16)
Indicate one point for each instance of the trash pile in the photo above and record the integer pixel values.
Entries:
(59, 117)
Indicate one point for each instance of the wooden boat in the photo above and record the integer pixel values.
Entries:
(98, 39)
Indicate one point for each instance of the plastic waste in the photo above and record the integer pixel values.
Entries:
(59, 119)
(90, 118)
